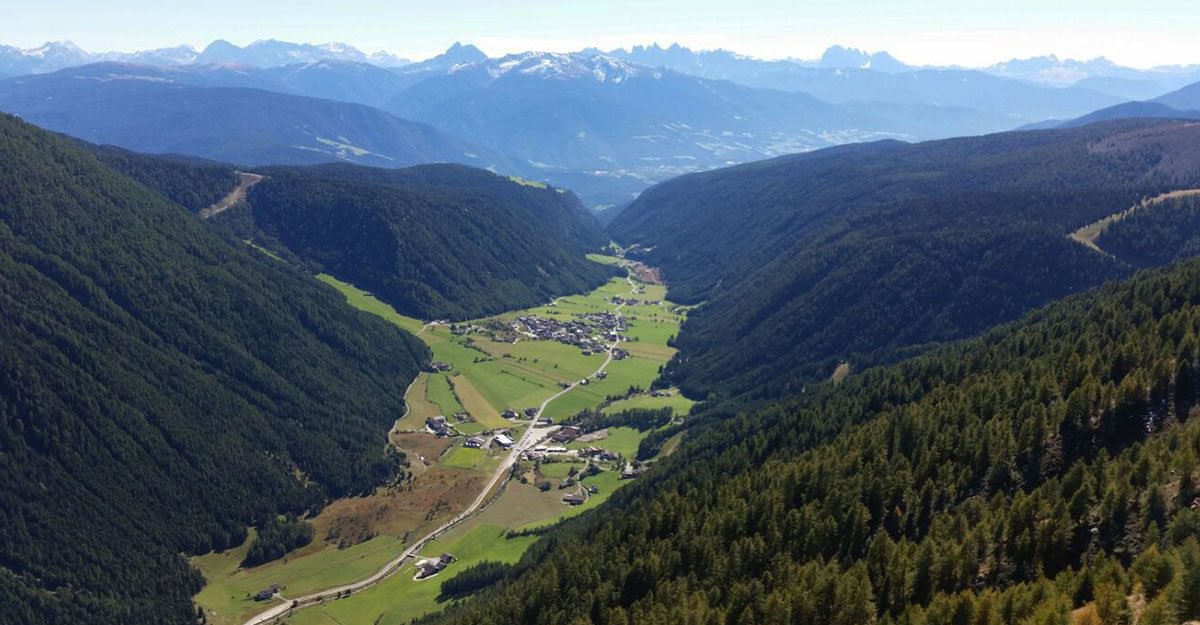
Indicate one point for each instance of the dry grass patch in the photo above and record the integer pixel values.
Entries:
(479, 408)
(411, 508)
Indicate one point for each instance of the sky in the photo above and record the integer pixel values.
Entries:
(923, 32)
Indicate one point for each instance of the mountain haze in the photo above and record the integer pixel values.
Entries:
(141, 109)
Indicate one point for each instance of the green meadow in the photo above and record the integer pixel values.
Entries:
(486, 377)
(678, 404)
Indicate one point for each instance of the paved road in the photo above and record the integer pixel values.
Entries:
(532, 436)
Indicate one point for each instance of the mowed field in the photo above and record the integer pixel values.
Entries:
(678, 404)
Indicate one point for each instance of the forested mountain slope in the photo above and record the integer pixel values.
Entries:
(160, 389)
(863, 253)
(190, 182)
(439, 241)
(1046, 472)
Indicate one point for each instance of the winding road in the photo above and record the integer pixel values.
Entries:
(532, 437)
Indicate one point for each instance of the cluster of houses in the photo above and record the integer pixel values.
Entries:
(437, 366)
(588, 333)
(433, 566)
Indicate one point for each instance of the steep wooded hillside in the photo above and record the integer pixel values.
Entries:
(439, 241)
(865, 253)
(1047, 472)
(161, 389)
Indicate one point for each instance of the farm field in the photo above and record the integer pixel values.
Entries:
(678, 404)
(622, 440)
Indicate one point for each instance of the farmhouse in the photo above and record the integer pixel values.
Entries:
(566, 433)
(475, 442)
(511, 414)
(429, 568)
(573, 499)
(267, 593)
(438, 425)
(503, 441)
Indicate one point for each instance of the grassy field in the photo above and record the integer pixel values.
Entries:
(228, 595)
(678, 404)
(365, 301)
(477, 406)
(527, 182)
(473, 459)
(624, 441)
(560, 469)
(400, 598)
(419, 407)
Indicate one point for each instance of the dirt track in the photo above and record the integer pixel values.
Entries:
(235, 197)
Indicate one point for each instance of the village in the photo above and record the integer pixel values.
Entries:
(592, 333)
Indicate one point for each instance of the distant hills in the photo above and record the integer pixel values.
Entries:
(1180, 104)
(864, 253)
(151, 110)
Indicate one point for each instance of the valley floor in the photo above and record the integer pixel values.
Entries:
(485, 373)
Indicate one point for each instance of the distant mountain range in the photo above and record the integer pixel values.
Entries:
(56, 55)
(606, 124)
(609, 126)
(1099, 74)
(155, 110)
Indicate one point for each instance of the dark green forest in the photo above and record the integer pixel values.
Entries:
(276, 538)
(1163, 233)
(1046, 470)
(160, 390)
(192, 183)
(870, 253)
(442, 241)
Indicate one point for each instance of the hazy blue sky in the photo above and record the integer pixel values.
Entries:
(969, 32)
